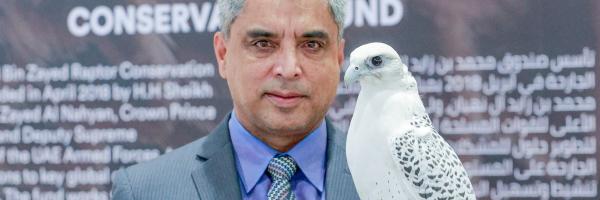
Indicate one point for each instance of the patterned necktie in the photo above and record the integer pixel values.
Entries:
(281, 168)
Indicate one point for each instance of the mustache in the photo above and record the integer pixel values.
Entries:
(288, 86)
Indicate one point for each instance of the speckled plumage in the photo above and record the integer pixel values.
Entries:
(393, 151)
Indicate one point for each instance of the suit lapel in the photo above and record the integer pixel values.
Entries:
(338, 181)
(216, 176)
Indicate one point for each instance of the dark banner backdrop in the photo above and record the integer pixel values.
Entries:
(88, 87)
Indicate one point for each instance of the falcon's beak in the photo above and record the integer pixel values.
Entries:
(351, 75)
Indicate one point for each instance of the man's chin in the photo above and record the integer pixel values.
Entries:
(289, 127)
(292, 120)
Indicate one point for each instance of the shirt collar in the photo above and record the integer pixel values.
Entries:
(253, 155)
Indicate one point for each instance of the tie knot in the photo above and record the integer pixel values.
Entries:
(282, 168)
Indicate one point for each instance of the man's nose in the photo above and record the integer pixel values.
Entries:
(287, 65)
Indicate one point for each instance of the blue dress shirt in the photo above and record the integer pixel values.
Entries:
(252, 157)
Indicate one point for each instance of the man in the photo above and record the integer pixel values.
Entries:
(281, 60)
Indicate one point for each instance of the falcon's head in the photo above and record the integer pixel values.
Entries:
(374, 60)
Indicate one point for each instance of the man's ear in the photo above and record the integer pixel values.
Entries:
(220, 51)
(341, 53)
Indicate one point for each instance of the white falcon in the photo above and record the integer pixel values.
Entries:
(392, 149)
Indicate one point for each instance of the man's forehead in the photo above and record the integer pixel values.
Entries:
(285, 7)
(256, 32)
(271, 22)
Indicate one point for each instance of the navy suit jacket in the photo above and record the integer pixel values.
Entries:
(205, 170)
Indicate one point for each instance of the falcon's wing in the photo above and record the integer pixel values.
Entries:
(429, 163)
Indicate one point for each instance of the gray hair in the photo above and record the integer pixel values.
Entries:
(230, 9)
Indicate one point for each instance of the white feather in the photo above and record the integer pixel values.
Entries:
(393, 151)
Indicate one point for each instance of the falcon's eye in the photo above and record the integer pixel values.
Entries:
(376, 61)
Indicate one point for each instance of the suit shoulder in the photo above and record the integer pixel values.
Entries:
(180, 158)
(168, 174)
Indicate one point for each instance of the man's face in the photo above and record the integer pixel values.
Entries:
(282, 62)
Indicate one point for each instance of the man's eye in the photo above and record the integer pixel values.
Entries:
(263, 44)
(313, 45)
